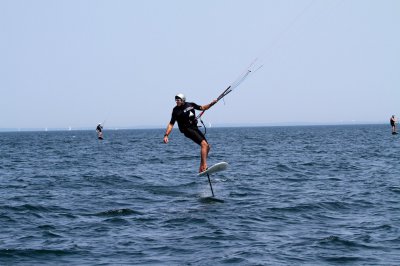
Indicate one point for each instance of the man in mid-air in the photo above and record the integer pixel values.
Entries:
(184, 114)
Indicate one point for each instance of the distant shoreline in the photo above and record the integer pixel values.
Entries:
(213, 126)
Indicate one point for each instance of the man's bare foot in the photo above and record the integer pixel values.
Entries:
(202, 168)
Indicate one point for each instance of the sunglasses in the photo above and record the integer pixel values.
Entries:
(178, 99)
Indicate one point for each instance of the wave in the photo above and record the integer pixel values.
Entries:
(306, 207)
(345, 259)
(34, 253)
(338, 242)
(34, 209)
(118, 212)
(395, 189)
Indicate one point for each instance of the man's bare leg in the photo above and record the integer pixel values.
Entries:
(205, 149)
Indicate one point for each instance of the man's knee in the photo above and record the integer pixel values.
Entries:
(204, 144)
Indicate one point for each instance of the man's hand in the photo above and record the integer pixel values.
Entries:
(213, 102)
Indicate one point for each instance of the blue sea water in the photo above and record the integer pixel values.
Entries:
(312, 195)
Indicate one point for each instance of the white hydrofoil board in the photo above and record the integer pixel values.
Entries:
(215, 168)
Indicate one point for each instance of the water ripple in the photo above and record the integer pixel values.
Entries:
(323, 195)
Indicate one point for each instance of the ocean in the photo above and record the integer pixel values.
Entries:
(298, 195)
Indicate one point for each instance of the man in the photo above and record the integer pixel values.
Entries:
(184, 114)
(99, 130)
(393, 124)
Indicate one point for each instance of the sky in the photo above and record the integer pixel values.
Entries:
(76, 63)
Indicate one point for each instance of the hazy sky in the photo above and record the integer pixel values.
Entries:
(76, 63)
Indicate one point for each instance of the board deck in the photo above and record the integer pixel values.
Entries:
(215, 168)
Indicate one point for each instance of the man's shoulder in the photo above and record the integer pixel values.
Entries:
(176, 110)
(191, 104)
(185, 105)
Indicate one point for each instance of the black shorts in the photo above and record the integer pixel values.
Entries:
(194, 134)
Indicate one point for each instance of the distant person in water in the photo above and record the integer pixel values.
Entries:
(99, 130)
(184, 113)
(393, 124)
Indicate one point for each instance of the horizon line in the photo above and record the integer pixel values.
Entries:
(288, 124)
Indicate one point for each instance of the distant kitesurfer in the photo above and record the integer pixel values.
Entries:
(184, 114)
(393, 121)
(99, 130)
